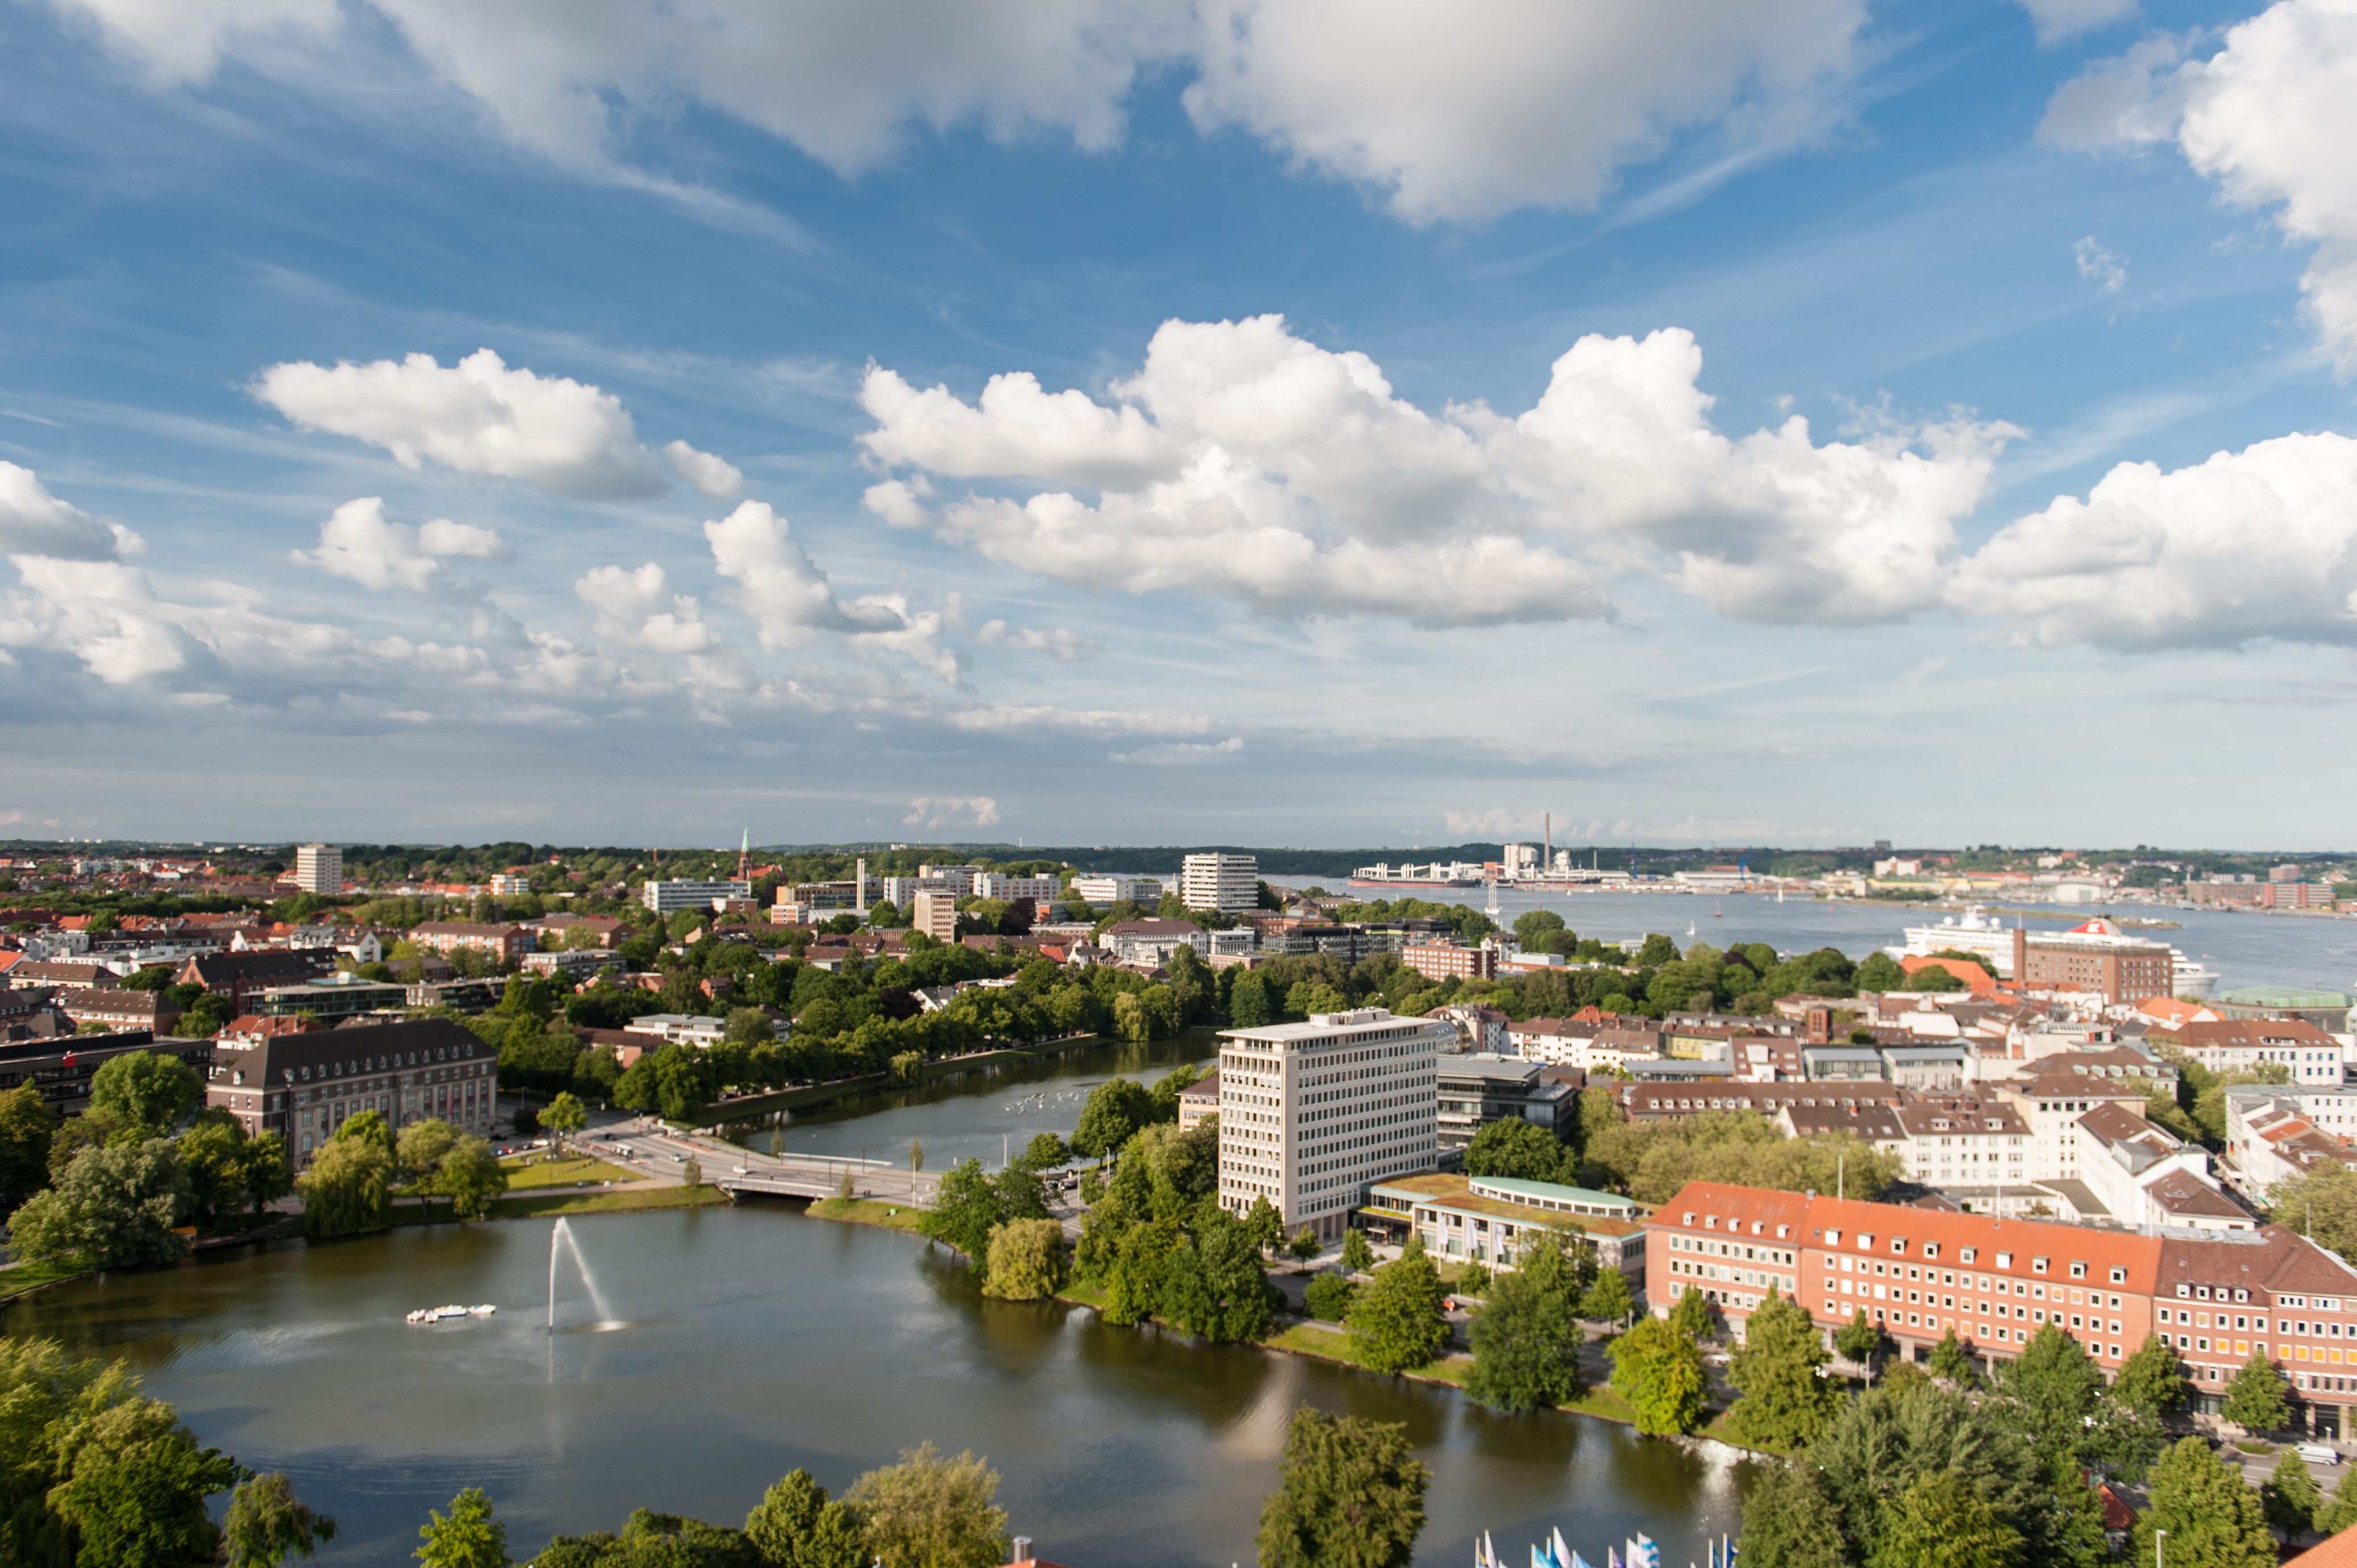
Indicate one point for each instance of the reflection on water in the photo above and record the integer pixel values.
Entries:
(744, 1342)
(979, 1114)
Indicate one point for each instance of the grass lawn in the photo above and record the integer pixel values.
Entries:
(1333, 1347)
(1716, 1427)
(534, 1205)
(562, 1172)
(20, 1278)
(1085, 1294)
(1600, 1400)
(867, 1212)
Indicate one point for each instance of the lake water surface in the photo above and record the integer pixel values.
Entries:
(756, 1339)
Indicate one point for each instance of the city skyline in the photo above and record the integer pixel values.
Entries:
(1138, 422)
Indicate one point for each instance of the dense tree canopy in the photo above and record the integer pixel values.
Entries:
(1350, 1495)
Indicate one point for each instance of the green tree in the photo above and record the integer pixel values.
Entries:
(467, 1538)
(421, 1147)
(2213, 1518)
(1350, 1495)
(1248, 1003)
(135, 1485)
(2341, 1511)
(1329, 1298)
(1789, 1522)
(1112, 1113)
(1358, 1253)
(1026, 1260)
(1609, 1300)
(266, 1524)
(1940, 1521)
(1527, 1338)
(147, 1091)
(349, 1189)
(1785, 1403)
(1214, 1287)
(1953, 1359)
(1657, 1367)
(115, 1205)
(794, 1526)
(27, 1125)
(2290, 1497)
(1261, 1224)
(2053, 1386)
(965, 1208)
(1859, 1340)
(1692, 1313)
(917, 1156)
(1397, 1322)
(471, 1177)
(564, 1116)
(1510, 1146)
(931, 1512)
(1304, 1245)
(1045, 1152)
(2255, 1400)
(2152, 1381)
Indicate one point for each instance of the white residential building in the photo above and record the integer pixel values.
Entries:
(1310, 1114)
(1041, 890)
(2240, 1045)
(1106, 891)
(1154, 941)
(320, 868)
(935, 914)
(679, 1029)
(1225, 882)
(2276, 1132)
(2053, 1105)
(2144, 1175)
(1480, 1029)
(684, 892)
(958, 879)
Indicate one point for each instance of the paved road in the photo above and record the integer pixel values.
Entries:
(649, 1147)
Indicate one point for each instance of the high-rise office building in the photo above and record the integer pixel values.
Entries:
(1227, 882)
(320, 868)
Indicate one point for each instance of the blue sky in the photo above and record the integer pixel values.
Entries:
(1128, 421)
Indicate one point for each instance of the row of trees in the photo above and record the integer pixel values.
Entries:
(115, 1186)
(1350, 1495)
(95, 1473)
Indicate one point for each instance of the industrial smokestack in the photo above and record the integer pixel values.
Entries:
(1022, 1548)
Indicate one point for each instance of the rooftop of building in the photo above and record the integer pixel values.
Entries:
(1447, 1188)
(1330, 1025)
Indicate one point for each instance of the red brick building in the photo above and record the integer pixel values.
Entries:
(1919, 1273)
(1439, 960)
(2094, 958)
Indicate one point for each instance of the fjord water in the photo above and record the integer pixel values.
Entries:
(747, 1341)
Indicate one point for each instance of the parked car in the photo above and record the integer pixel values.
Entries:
(2318, 1453)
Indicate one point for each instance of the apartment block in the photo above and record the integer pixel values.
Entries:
(320, 868)
(1441, 960)
(304, 1086)
(1919, 1273)
(686, 893)
(1103, 891)
(1228, 883)
(2240, 1045)
(935, 914)
(1312, 1114)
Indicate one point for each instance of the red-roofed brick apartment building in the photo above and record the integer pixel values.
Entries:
(1921, 1272)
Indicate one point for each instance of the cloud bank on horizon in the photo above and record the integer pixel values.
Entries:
(1160, 543)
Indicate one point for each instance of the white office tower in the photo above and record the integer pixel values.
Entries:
(1227, 882)
(320, 868)
(686, 893)
(1311, 1113)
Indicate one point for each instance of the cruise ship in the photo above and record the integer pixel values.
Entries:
(1974, 932)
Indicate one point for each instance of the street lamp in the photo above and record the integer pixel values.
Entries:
(2158, 1537)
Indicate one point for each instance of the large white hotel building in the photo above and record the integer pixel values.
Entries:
(1312, 1114)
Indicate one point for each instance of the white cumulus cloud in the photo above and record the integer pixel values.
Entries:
(481, 416)
(1485, 105)
(35, 522)
(2270, 116)
(1298, 484)
(791, 602)
(2061, 20)
(951, 812)
(1064, 646)
(358, 542)
(1449, 113)
(638, 607)
(2250, 544)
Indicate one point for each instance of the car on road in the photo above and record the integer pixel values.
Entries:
(2318, 1453)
